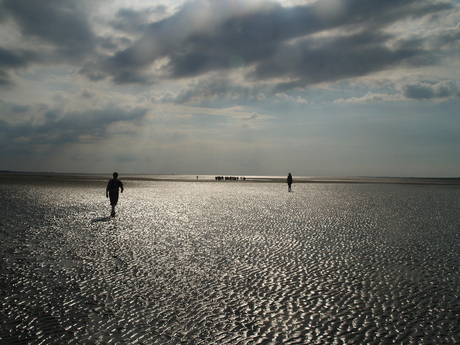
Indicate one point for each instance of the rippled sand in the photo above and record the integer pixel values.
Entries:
(229, 263)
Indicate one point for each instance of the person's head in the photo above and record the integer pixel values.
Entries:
(115, 175)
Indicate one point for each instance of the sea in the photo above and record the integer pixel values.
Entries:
(194, 260)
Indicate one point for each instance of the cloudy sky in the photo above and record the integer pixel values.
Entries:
(244, 87)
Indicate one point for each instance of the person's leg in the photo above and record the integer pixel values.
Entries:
(113, 203)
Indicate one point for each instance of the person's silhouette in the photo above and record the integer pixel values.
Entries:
(289, 181)
(111, 191)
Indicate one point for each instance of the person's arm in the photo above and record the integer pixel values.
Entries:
(107, 190)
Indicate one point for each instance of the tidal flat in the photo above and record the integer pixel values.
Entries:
(205, 262)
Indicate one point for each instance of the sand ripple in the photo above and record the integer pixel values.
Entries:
(210, 263)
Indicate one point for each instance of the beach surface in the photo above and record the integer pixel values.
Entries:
(190, 260)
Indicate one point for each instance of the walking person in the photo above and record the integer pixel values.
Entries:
(113, 187)
(289, 181)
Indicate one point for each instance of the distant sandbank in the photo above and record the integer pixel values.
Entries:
(31, 177)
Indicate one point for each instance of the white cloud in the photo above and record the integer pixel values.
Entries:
(368, 98)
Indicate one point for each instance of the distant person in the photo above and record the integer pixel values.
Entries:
(289, 181)
(112, 189)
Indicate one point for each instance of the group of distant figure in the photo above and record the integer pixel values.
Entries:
(230, 178)
(115, 186)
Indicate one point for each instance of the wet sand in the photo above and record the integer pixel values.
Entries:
(229, 263)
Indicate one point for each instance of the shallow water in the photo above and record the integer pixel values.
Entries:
(230, 263)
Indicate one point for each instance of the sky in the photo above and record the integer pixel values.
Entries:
(232, 87)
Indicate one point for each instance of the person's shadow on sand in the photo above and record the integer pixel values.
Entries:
(100, 219)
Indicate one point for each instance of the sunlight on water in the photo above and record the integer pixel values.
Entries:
(231, 263)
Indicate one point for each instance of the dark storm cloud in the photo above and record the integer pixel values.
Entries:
(10, 59)
(288, 47)
(129, 20)
(63, 24)
(333, 59)
(279, 42)
(56, 127)
(445, 89)
(60, 25)
(15, 59)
